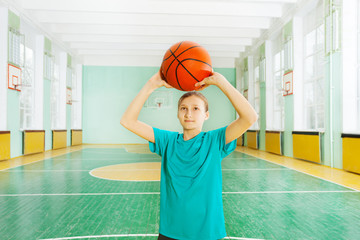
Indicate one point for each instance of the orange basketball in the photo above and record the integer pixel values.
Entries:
(184, 64)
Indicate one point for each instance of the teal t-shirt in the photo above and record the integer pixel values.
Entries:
(191, 206)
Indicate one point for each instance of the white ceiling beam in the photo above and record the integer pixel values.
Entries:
(153, 61)
(161, 47)
(145, 52)
(154, 39)
(147, 19)
(257, 9)
(154, 30)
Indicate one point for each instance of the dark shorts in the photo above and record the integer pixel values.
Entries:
(162, 237)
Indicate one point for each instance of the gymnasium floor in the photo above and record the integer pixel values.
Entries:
(73, 194)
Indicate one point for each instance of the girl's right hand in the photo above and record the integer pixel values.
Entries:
(156, 81)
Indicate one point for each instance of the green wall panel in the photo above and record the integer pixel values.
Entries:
(107, 91)
(14, 20)
(13, 123)
(289, 125)
(47, 45)
(336, 106)
(47, 114)
(262, 116)
(68, 124)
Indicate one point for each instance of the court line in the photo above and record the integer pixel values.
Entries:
(132, 235)
(103, 159)
(158, 193)
(307, 174)
(122, 170)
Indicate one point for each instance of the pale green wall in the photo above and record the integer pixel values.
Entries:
(262, 116)
(47, 114)
(107, 91)
(289, 125)
(13, 106)
(68, 124)
(13, 123)
(336, 108)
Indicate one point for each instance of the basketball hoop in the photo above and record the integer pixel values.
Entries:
(159, 104)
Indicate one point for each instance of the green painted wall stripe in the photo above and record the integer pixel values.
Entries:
(289, 125)
(262, 51)
(47, 45)
(262, 115)
(69, 63)
(14, 20)
(245, 63)
(288, 31)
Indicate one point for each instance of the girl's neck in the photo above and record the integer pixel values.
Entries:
(191, 133)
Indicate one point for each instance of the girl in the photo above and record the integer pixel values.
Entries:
(191, 181)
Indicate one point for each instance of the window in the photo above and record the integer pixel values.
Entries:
(27, 96)
(314, 81)
(257, 95)
(277, 119)
(76, 102)
(48, 66)
(288, 60)
(55, 96)
(245, 85)
(358, 66)
(16, 47)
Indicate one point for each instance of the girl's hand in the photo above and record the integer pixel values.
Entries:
(156, 81)
(214, 79)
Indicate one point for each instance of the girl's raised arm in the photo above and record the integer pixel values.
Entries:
(130, 118)
(247, 114)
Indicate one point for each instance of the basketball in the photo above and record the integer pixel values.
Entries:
(184, 64)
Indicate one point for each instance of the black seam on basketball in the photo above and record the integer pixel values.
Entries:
(174, 51)
(196, 60)
(177, 77)
(175, 57)
(193, 60)
(186, 68)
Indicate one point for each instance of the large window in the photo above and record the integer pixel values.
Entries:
(27, 96)
(16, 45)
(257, 95)
(277, 100)
(55, 96)
(358, 66)
(314, 83)
(76, 99)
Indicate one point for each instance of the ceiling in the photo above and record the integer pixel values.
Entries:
(134, 32)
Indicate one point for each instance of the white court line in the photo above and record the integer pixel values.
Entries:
(76, 194)
(256, 169)
(88, 170)
(158, 193)
(123, 170)
(103, 159)
(132, 235)
(249, 158)
(309, 174)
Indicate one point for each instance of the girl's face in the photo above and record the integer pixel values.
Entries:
(192, 114)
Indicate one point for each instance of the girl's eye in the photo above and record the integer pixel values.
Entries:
(182, 108)
(196, 108)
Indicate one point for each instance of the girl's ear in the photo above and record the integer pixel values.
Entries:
(207, 115)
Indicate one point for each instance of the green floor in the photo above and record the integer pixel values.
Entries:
(58, 199)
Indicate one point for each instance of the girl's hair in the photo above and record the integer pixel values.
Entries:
(197, 94)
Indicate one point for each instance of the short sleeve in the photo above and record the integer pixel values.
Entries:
(161, 140)
(225, 149)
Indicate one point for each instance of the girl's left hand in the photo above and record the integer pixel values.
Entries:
(214, 79)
